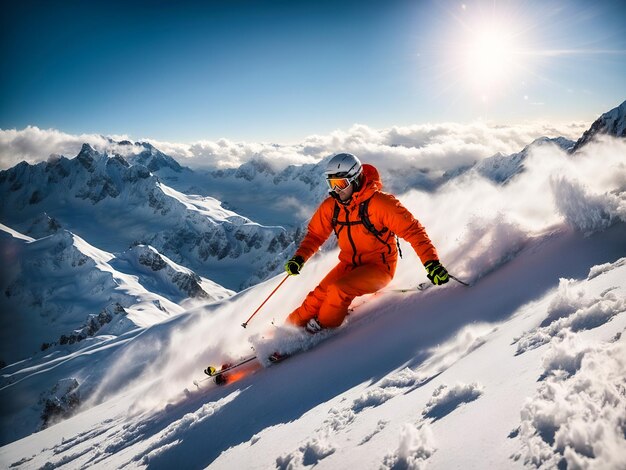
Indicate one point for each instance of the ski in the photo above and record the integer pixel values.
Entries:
(213, 372)
(219, 376)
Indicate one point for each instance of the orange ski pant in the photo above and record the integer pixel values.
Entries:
(330, 300)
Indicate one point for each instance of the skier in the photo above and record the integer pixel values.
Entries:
(365, 221)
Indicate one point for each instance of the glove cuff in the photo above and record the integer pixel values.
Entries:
(431, 264)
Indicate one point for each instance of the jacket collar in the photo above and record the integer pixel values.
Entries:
(371, 184)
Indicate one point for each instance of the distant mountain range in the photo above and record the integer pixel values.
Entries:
(115, 205)
(287, 197)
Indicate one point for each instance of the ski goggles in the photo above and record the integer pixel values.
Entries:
(338, 184)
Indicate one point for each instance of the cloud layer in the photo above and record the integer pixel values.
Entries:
(436, 146)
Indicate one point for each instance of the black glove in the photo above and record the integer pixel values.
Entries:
(294, 265)
(436, 272)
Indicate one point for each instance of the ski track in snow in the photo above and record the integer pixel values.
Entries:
(114, 436)
(417, 443)
(600, 269)
(177, 430)
(444, 401)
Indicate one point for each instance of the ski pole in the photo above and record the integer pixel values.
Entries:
(458, 280)
(245, 324)
(422, 286)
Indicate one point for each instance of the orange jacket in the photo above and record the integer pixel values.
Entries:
(358, 245)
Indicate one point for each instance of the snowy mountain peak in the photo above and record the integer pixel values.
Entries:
(152, 158)
(561, 142)
(91, 175)
(87, 149)
(43, 225)
(87, 156)
(256, 166)
(612, 123)
(501, 168)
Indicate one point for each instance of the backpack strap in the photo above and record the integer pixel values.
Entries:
(333, 222)
(365, 219)
(367, 223)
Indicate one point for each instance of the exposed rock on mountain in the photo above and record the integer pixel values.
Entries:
(612, 123)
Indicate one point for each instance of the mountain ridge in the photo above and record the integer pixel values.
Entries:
(612, 123)
(188, 229)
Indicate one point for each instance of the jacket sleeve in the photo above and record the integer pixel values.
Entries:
(399, 220)
(318, 231)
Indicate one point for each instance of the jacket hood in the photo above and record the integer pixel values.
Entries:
(372, 177)
(371, 184)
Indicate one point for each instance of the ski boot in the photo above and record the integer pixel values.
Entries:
(313, 326)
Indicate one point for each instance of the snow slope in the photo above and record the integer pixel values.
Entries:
(505, 374)
(446, 377)
(59, 290)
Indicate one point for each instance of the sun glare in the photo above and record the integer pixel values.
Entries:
(487, 52)
(490, 58)
(487, 56)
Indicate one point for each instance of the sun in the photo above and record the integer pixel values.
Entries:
(488, 56)
(491, 57)
(486, 52)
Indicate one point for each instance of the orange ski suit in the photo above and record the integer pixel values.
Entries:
(366, 263)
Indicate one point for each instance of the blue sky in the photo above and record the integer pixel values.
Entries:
(281, 70)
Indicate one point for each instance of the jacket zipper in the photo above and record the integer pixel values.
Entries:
(350, 236)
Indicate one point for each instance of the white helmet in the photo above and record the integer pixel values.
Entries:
(342, 170)
(343, 165)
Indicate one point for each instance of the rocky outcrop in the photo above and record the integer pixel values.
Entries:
(611, 123)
